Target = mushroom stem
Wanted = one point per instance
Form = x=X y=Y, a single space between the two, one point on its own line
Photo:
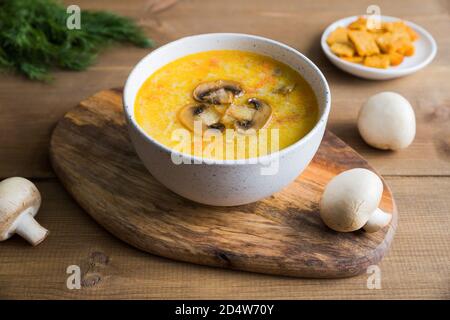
x=377 y=220
x=29 y=229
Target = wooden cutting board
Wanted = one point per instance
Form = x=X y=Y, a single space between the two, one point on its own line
x=283 y=234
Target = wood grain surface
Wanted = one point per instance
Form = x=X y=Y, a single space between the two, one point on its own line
x=417 y=265
x=282 y=234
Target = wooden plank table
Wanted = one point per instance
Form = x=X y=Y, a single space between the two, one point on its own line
x=418 y=264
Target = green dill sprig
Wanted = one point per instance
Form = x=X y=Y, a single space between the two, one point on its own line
x=34 y=37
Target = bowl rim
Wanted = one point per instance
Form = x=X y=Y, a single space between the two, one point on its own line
x=261 y=159
x=375 y=71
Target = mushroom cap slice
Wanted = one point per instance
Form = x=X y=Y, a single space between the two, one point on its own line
x=217 y=126
x=218 y=92
x=261 y=117
x=204 y=113
x=285 y=89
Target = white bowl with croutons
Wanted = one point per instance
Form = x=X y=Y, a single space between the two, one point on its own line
x=425 y=51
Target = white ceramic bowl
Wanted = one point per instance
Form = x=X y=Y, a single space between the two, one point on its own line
x=229 y=182
x=425 y=51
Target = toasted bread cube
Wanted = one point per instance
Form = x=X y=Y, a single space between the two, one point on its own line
x=377 y=61
x=395 y=58
x=395 y=42
x=406 y=48
x=385 y=42
x=338 y=35
x=364 y=43
x=359 y=24
x=376 y=31
x=412 y=34
x=399 y=25
x=401 y=34
x=354 y=59
x=394 y=26
x=343 y=49
x=388 y=26
x=373 y=25
x=402 y=45
x=401 y=29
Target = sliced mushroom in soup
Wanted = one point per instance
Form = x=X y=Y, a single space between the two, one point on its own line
x=204 y=113
x=218 y=92
x=249 y=118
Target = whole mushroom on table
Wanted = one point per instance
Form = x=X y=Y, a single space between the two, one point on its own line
x=19 y=203
x=387 y=121
x=350 y=202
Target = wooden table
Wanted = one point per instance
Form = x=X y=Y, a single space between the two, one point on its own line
x=418 y=264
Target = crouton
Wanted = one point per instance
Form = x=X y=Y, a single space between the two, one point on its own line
x=381 y=61
x=338 y=35
x=343 y=49
x=364 y=43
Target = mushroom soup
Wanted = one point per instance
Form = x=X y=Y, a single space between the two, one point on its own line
x=226 y=98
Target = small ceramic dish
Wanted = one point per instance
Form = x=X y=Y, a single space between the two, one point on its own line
x=425 y=51
x=226 y=182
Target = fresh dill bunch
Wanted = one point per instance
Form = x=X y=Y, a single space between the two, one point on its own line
x=34 y=37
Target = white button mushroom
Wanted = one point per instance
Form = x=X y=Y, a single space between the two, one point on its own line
x=350 y=202
x=386 y=121
x=19 y=202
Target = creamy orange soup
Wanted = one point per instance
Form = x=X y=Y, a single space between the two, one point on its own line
x=228 y=91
